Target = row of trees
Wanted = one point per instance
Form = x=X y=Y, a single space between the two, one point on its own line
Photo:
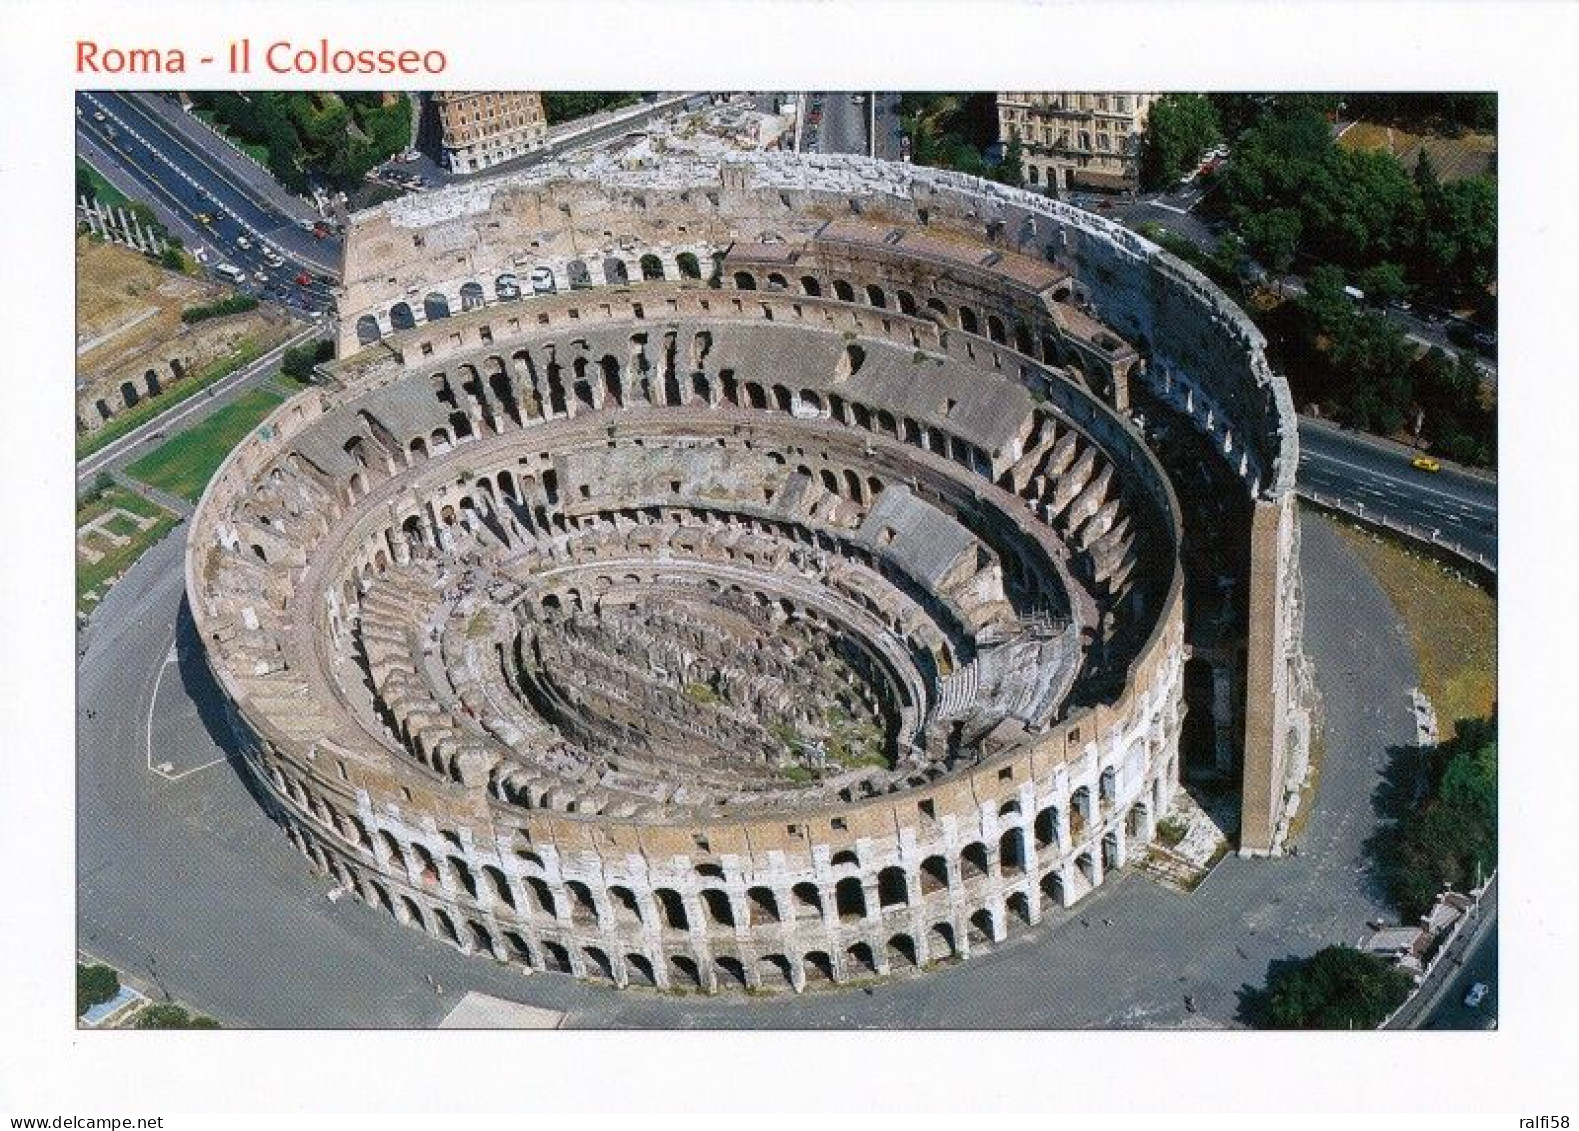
x=1297 y=196
x=1338 y=987
x=1358 y=365
x=958 y=131
x=568 y=105
x=319 y=136
x=1443 y=806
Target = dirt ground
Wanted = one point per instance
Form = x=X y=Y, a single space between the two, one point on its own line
x=1455 y=158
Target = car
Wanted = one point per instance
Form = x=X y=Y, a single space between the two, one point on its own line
x=303 y=279
x=260 y=277
x=857 y=99
x=243 y=242
x=1477 y=994
x=410 y=155
x=99 y=115
x=1425 y=463
x=272 y=258
x=204 y=217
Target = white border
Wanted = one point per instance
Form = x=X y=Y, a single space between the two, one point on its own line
x=1525 y=52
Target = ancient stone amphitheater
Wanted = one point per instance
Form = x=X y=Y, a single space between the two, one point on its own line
x=804 y=583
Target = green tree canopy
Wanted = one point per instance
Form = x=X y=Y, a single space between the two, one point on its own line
x=1179 y=128
x=1338 y=987
x=96 y=984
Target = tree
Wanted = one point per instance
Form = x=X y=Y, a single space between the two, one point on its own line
x=1338 y=987
x=1179 y=128
x=96 y=985
x=1273 y=236
x=1383 y=282
x=85 y=186
x=1011 y=171
x=166 y=1015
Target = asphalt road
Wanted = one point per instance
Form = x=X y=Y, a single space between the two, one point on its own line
x=183 y=183
x=1378 y=476
x=185 y=883
x=844 y=126
x=1479 y=965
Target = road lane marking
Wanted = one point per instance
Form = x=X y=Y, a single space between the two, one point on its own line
x=1403 y=482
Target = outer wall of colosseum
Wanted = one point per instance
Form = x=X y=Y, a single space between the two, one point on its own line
x=857 y=411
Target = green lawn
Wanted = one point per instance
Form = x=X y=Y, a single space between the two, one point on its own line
x=184 y=464
x=93 y=577
x=104 y=192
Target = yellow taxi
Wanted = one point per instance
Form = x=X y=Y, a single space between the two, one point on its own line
x=1425 y=463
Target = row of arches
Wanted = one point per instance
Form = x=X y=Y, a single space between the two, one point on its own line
x=508 y=287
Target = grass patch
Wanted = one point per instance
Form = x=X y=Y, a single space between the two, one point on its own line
x=184 y=465
x=701 y=693
x=1452 y=625
x=93 y=578
x=104 y=192
x=247 y=352
x=1170 y=831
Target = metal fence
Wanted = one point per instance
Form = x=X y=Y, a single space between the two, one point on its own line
x=1426 y=536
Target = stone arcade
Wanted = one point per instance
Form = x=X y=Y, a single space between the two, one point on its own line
x=788 y=597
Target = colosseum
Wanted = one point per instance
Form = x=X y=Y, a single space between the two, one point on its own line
x=756 y=573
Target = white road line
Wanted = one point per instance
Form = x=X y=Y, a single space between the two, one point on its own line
x=153 y=700
x=1405 y=483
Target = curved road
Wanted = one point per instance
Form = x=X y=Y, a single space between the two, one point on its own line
x=185 y=883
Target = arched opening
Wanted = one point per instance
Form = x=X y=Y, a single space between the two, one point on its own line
x=981 y=926
x=651 y=268
x=849 y=899
x=773 y=972
x=810 y=286
x=579 y=275
x=817 y=966
x=367 y=331
x=1046 y=827
x=1018 y=904
x=401 y=318
x=973 y=861
x=1053 y=888
x=1198 y=740
x=995 y=329
x=498 y=886
x=934 y=875
x=615 y=272
x=583 y=908
x=673 y=909
x=892 y=890
x=542 y=896
x=427 y=867
x=625 y=905
x=745 y=281
x=902 y=953
x=129 y=394
x=435 y=306
x=690 y=267
x=808 y=901
x=556 y=958
x=472 y=296
x=907 y=303
x=639 y=971
x=967 y=320
x=875 y=296
x=718 y=909
x=597 y=963
x=151 y=381
x=481 y=939
x=731 y=972
x=463 y=876
x=447 y=929
x=940 y=941
x=1011 y=853
x=684 y=973
x=412 y=913
x=843 y=291
x=507 y=287
x=519 y=948
x=764 y=908
x=1079 y=811
x=861 y=960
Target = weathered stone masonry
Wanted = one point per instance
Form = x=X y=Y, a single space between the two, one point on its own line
x=797 y=606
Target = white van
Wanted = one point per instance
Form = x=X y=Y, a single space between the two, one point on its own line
x=229 y=271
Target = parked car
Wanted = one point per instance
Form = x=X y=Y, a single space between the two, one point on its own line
x=1477 y=994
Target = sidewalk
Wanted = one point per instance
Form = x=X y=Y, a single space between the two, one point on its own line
x=1443 y=969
